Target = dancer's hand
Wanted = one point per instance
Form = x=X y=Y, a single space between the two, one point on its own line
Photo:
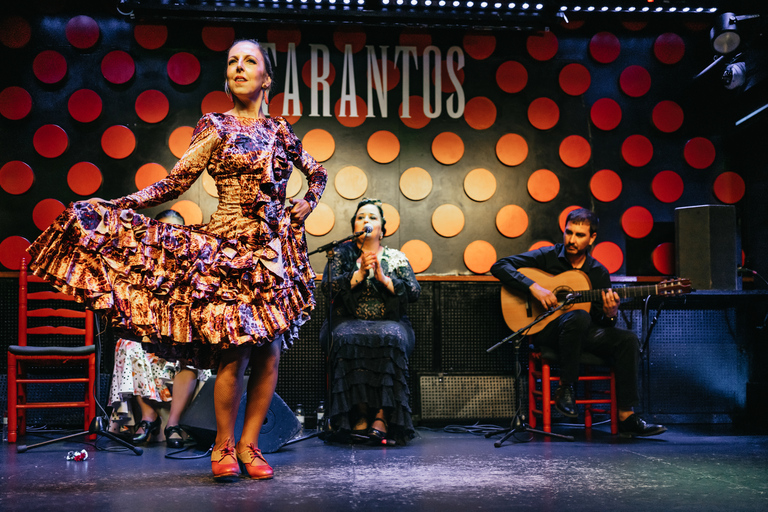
x=299 y=211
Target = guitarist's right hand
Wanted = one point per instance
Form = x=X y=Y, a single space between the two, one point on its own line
x=546 y=297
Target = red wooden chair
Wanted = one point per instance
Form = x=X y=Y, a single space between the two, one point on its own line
x=37 y=353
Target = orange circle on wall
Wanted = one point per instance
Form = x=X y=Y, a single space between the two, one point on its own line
x=419 y=255
x=606 y=114
x=480 y=113
x=542 y=45
x=604 y=47
x=667 y=186
x=84 y=105
x=319 y=143
x=417 y=119
x=393 y=218
x=50 y=141
x=635 y=81
x=276 y=105
x=383 y=146
x=15 y=103
x=669 y=48
x=480 y=184
x=152 y=106
x=15 y=31
x=610 y=255
x=348 y=119
x=637 y=150
x=149 y=174
x=150 y=37
x=637 y=222
x=179 y=140
x=189 y=210
x=216 y=101
x=699 y=152
x=218 y=39
x=605 y=185
x=511 y=76
x=564 y=216
x=540 y=244
x=479 y=46
x=667 y=116
x=415 y=183
x=118 y=141
x=118 y=67
x=663 y=257
x=183 y=68
x=543 y=113
x=12 y=250
x=575 y=151
x=448 y=220
x=84 y=178
x=479 y=256
x=447 y=148
x=351 y=182
x=543 y=185
x=45 y=212
x=729 y=187
x=49 y=66
x=511 y=149
x=16 y=177
x=511 y=221
x=82 y=32
x=320 y=222
x=574 y=79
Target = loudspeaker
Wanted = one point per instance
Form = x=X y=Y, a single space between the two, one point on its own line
x=707 y=248
x=199 y=420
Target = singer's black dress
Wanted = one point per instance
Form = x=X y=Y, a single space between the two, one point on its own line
x=372 y=341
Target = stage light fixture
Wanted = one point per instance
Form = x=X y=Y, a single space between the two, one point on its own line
x=724 y=34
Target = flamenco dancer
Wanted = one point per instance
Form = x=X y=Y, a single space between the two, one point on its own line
x=221 y=295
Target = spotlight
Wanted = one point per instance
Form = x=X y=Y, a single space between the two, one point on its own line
x=724 y=36
x=734 y=75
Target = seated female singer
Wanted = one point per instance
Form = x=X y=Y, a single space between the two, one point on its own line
x=372 y=337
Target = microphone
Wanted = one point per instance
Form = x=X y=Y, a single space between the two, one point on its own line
x=368 y=228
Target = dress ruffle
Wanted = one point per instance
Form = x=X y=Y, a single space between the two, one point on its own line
x=180 y=288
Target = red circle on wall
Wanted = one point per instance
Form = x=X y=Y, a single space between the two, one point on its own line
x=637 y=150
x=348 y=120
x=50 y=141
x=183 y=68
x=306 y=73
x=511 y=149
x=45 y=212
x=152 y=106
x=479 y=46
x=667 y=116
x=150 y=37
x=543 y=113
x=637 y=222
x=149 y=174
x=447 y=148
x=118 y=141
x=49 y=66
x=543 y=185
x=574 y=79
x=383 y=146
x=12 y=250
x=118 y=67
x=667 y=186
x=480 y=113
x=218 y=39
x=16 y=177
x=635 y=81
x=729 y=187
x=564 y=215
x=669 y=48
x=605 y=185
x=610 y=255
x=663 y=257
x=84 y=178
x=349 y=36
x=699 y=153
x=446 y=84
x=604 y=47
x=282 y=38
x=417 y=119
x=216 y=101
x=276 y=105
x=84 y=105
x=511 y=76
x=82 y=32
x=179 y=140
x=605 y=114
x=415 y=38
x=15 y=103
x=15 y=32
x=542 y=45
x=575 y=151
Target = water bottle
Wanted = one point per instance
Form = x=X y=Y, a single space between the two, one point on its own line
x=320 y=414
x=300 y=414
x=5 y=428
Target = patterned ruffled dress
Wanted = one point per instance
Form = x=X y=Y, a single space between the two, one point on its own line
x=191 y=291
x=372 y=341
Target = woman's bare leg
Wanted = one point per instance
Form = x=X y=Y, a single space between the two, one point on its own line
x=227 y=393
x=261 y=388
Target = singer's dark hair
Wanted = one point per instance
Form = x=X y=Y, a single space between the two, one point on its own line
x=377 y=204
x=584 y=216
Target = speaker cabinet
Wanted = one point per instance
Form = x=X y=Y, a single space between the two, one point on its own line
x=707 y=246
x=199 y=420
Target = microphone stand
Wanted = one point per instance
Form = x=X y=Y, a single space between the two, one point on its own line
x=518 y=423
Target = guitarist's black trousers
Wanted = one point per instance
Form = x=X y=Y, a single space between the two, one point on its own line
x=574 y=332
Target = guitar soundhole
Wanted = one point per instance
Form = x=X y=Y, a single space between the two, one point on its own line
x=562 y=292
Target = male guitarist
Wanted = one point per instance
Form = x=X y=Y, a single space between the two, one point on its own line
x=578 y=330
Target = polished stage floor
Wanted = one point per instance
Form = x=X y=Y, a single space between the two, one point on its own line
x=688 y=468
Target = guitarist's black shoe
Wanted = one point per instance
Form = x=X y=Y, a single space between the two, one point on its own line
x=564 y=401
x=635 y=427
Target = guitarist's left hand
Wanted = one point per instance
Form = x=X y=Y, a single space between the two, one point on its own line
x=610 y=303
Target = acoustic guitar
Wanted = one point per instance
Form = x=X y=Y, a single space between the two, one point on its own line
x=520 y=308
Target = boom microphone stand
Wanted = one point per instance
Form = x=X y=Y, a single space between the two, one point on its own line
x=518 y=423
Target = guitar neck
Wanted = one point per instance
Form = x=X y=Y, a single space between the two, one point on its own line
x=624 y=292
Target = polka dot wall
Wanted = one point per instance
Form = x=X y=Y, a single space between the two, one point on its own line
x=582 y=115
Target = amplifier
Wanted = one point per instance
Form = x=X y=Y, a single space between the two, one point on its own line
x=466 y=396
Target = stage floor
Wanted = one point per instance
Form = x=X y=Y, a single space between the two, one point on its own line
x=687 y=468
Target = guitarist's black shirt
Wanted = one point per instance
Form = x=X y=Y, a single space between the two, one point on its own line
x=552 y=259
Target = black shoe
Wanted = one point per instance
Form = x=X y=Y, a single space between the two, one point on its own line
x=377 y=437
x=147 y=429
x=636 y=427
x=564 y=401
x=174 y=442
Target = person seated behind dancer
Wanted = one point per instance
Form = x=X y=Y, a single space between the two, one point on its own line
x=226 y=294
x=578 y=330
x=144 y=377
x=372 y=338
